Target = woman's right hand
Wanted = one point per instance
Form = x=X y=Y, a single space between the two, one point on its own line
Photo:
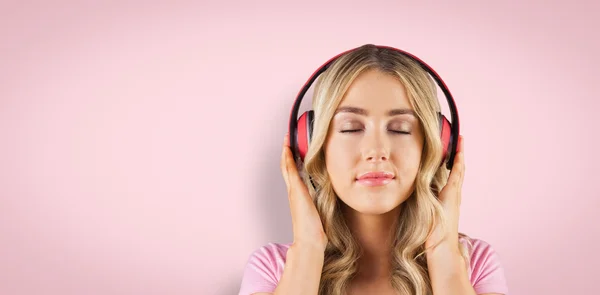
x=306 y=223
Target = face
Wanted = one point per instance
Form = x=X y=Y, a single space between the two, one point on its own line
x=374 y=145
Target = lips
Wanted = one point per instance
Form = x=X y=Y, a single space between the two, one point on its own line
x=377 y=178
x=376 y=175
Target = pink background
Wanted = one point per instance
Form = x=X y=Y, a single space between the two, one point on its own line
x=141 y=141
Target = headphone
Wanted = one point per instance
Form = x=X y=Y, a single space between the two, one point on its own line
x=301 y=129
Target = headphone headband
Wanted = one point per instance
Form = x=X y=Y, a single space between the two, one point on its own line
x=455 y=130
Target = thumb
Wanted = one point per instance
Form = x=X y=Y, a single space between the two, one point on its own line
x=284 y=161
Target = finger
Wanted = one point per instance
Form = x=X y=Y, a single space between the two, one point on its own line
x=286 y=139
x=292 y=171
x=293 y=178
x=283 y=163
x=462 y=177
x=460 y=161
x=456 y=174
x=461 y=169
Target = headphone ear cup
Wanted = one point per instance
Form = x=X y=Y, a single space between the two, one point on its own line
x=305 y=125
x=446 y=132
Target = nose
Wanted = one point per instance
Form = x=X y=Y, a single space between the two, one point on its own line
x=376 y=155
x=376 y=148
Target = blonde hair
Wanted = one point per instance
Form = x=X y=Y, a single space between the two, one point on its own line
x=419 y=212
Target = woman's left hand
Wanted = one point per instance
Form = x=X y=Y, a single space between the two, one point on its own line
x=450 y=198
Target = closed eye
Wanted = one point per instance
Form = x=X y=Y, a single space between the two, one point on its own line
x=358 y=130
x=350 y=131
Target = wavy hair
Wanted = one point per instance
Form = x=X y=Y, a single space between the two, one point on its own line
x=419 y=212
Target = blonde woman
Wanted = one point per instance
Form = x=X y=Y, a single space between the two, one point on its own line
x=373 y=210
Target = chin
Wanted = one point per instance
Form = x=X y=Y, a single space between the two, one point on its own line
x=374 y=203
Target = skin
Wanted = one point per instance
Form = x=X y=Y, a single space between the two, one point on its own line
x=378 y=141
x=370 y=211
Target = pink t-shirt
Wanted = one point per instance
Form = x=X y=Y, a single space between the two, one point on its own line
x=265 y=267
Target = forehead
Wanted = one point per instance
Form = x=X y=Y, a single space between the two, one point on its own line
x=377 y=92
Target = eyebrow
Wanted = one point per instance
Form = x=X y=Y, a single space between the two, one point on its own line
x=359 y=111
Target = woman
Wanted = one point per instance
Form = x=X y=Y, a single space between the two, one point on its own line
x=366 y=203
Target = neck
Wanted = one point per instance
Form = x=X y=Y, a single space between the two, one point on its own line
x=375 y=234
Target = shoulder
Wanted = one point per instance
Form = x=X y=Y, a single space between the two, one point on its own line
x=486 y=270
x=264 y=268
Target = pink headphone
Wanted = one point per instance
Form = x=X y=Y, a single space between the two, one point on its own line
x=300 y=129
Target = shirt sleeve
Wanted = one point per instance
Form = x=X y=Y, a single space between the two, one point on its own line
x=263 y=270
x=487 y=271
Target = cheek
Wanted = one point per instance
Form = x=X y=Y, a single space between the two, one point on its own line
x=340 y=163
x=408 y=161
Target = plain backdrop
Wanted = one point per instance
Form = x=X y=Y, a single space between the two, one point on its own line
x=140 y=141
